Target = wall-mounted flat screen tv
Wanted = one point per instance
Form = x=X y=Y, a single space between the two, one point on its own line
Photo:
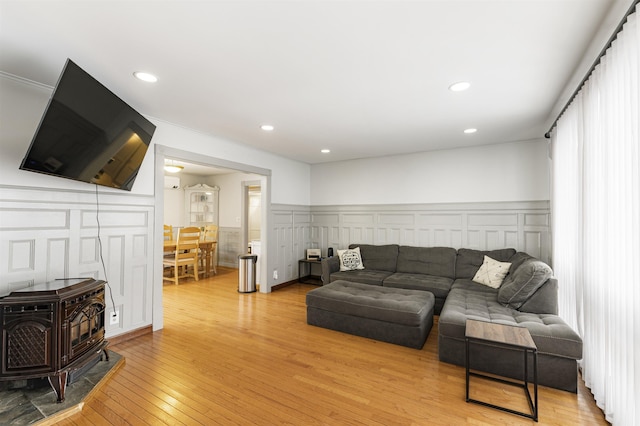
x=87 y=133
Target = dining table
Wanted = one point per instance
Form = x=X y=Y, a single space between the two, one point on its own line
x=207 y=248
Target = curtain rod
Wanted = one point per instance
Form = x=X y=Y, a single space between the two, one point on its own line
x=602 y=53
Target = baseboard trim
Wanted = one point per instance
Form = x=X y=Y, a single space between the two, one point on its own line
x=283 y=285
x=121 y=338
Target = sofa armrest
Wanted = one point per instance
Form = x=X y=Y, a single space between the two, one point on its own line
x=329 y=265
x=544 y=300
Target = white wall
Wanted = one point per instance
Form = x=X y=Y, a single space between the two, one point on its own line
x=510 y=172
x=290 y=180
x=231 y=196
x=23 y=104
x=173 y=210
x=21 y=107
x=174 y=203
x=517 y=171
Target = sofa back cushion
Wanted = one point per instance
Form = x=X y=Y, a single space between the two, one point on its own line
x=438 y=261
x=378 y=258
x=469 y=261
x=523 y=282
x=518 y=259
x=544 y=300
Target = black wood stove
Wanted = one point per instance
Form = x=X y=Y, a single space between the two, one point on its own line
x=54 y=330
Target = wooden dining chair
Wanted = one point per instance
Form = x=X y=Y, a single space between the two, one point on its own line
x=168 y=236
x=186 y=255
x=168 y=232
x=210 y=233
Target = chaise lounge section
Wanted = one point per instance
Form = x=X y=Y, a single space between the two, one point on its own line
x=559 y=347
x=527 y=298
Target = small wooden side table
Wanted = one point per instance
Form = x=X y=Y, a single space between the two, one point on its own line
x=308 y=278
x=492 y=334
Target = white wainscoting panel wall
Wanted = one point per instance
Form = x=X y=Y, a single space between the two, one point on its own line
x=484 y=226
x=46 y=234
x=290 y=236
x=229 y=246
x=524 y=226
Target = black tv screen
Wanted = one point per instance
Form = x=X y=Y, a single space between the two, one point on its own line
x=87 y=133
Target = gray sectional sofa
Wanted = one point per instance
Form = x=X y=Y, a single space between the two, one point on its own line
x=526 y=298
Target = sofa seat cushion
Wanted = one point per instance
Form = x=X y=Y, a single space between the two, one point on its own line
x=550 y=333
x=543 y=301
x=365 y=276
x=439 y=286
x=468 y=284
x=394 y=305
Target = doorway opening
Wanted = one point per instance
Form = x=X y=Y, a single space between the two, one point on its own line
x=234 y=221
x=252 y=223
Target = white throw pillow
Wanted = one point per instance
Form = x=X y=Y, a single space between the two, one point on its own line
x=492 y=272
x=350 y=259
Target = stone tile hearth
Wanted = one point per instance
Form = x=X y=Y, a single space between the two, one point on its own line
x=23 y=403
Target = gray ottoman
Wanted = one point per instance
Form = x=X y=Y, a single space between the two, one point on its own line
x=393 y=315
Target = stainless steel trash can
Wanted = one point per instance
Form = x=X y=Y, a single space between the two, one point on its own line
x=247 y=273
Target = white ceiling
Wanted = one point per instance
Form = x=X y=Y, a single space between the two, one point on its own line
x=364 y=79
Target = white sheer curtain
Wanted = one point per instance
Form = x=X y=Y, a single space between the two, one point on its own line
x=596 y=225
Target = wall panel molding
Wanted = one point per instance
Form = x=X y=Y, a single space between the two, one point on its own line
x=290 y=236
x=524 y=226
x=483 y=226
x=57 y=258
x=42 y=218
x=21 y=255
x=229 y=242
x=48 y=234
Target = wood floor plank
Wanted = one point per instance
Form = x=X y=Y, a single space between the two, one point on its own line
x=232 y=358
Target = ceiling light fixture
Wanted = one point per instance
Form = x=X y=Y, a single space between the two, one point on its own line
x=460 y=86
x=325 y=151
x=267 y=127
x=145 y=76
x=469 y=131
x=173 y=168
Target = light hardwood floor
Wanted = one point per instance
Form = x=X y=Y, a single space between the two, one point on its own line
x=230 y=358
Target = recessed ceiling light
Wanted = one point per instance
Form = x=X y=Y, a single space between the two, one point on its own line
x=460 y=86
x=469 y=131
x=145 y=76
x=267 y=127
x=325 y=151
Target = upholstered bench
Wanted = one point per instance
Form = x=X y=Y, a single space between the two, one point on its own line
x=394 y=315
